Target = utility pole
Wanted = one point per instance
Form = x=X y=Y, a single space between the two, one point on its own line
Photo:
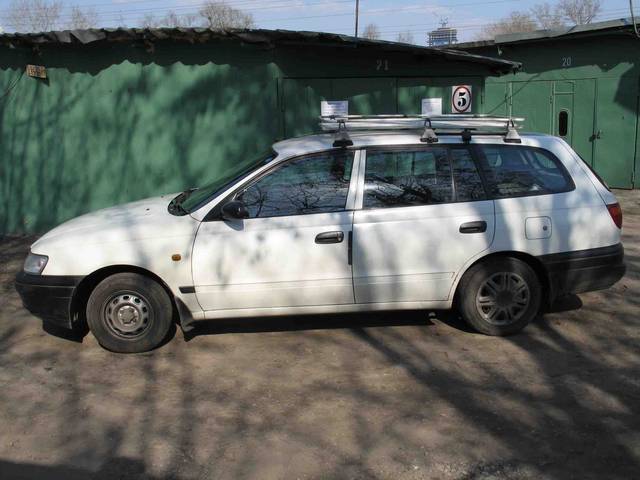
x=357 y=15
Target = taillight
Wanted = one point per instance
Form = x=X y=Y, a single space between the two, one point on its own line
x=616 y=213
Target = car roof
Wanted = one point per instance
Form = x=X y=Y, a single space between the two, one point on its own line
x=369 y=138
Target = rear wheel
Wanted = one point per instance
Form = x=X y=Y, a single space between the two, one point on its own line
x=500 y=296
x=129 y=313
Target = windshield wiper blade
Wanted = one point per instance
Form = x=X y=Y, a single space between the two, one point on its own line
x=175 y=206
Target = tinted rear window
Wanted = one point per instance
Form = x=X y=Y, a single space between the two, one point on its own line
x=517 y=171
x=407 y=178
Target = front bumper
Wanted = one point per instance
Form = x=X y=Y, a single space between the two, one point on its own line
x=584 y=270
x=48 y=296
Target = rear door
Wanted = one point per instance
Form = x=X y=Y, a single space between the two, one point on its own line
x=424 y=214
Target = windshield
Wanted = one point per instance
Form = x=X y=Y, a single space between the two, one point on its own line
x=192 y=199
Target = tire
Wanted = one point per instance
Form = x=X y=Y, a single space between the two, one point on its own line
x=129 y=313
x=499 y=296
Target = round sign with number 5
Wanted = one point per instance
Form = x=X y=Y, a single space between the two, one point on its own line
x=461 y=99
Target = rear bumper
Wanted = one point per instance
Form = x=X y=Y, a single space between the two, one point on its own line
x=584 y=270
x=48 y=296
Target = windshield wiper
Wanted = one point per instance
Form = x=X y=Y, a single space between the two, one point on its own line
x=175 y=206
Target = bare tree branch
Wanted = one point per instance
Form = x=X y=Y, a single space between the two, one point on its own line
x=405 y=37
x=34 y=15
x=547 y=16
x=149 y=21
x=579 y=12
x=120 y=21
x=516 y=22
x=220 y=16
x=174 y=20
x=371 y=31
x=81 y=19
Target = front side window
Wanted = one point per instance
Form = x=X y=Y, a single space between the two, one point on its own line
x=316 y=183
x=192 y=199
x=516 y=171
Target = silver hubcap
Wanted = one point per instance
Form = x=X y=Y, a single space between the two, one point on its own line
x=127 y=314
x=503 y=298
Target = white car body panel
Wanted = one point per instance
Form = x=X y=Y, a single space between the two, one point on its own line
x=141 y=234
x=579 y=218
x=399 y=255
x=272 y=262
x=324 y=309
x=410 y=257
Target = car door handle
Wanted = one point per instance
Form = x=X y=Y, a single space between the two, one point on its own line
x=330 y=237
x=474 y=227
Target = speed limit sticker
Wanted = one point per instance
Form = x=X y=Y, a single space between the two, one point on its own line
x=461 y=99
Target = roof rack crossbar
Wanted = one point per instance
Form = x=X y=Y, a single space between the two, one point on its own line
x=431 y=125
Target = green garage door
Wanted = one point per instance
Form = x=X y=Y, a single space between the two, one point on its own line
x=565 y=108
x=302 y=97
x=531 y=100
x=411 y=91
x=616 y=130
x=573 y=115
x=496 y=99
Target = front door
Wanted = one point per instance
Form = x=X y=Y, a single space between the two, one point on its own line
x=292 y=250
x=424 y=215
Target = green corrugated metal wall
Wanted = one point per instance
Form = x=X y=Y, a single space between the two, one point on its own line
x=114 y=123
x=596 y=79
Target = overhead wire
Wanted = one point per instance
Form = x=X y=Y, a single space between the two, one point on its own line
x=388 y=30
x=262 y=5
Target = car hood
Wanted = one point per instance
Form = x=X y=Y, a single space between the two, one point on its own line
x=148 y=218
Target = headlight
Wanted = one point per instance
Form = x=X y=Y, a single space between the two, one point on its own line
x=34 y=264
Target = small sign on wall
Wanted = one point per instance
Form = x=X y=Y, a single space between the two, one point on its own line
x=36 y=71
x=461 y=99
x=338 y=108
x=432 y=107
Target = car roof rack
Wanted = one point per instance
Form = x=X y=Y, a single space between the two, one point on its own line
x=465 y=125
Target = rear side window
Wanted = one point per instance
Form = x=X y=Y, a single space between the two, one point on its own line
x=518 y=171
x=407 y=178
x=428 y=176
x=595 y=174
x=466 y=177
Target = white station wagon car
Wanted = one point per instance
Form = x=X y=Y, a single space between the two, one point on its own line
x=382 y=216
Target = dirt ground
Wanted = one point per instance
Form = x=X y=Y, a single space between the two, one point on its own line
x=393 y=396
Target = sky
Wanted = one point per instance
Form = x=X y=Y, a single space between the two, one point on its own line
x=391 y=17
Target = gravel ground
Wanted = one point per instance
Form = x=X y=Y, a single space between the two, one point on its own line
x=395 y=395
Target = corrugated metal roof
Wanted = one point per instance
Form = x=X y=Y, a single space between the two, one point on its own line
x=265 y=38
x=622 y=25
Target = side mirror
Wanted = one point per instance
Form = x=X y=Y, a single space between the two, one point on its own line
x=234 y=210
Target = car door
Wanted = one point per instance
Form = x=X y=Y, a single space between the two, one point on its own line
x=292 y=251
x=424 y=213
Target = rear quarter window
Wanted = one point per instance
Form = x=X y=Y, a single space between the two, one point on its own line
x=520 y=171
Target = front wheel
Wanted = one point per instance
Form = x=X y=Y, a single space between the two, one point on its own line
x=129 y=313
x=500 y=296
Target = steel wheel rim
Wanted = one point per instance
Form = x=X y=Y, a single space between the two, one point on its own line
x=503 y=298
x=127 y=315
